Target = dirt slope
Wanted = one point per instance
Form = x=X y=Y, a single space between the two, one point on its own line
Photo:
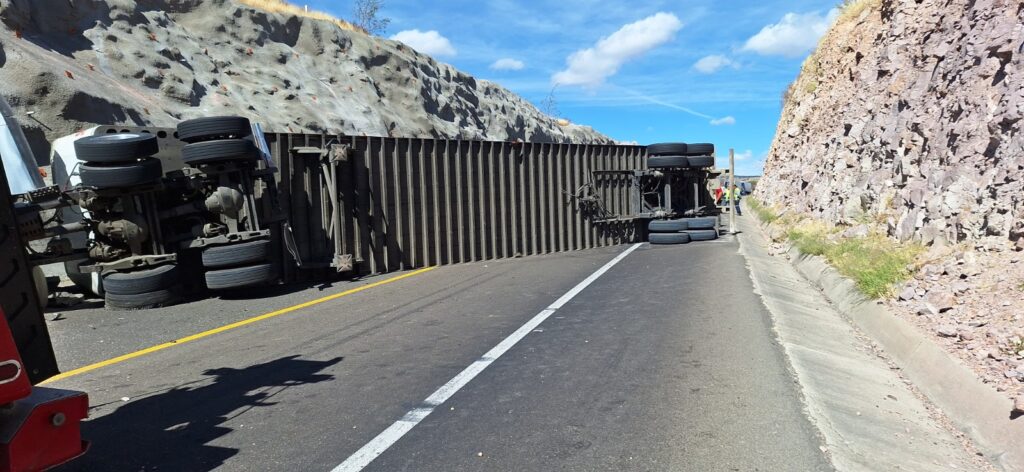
x=75 y=63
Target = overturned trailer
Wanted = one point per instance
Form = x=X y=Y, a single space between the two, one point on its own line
x=148 y=215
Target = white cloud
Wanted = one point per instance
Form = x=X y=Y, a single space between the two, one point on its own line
x=590 y=67
x=745 y=155
x=794 y=36
x=724 y=121
x=713 y=63
x=508 y=64
x=427 y=42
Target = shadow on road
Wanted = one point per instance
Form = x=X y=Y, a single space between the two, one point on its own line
x=174 y=429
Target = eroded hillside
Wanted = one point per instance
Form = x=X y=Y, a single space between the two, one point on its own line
x=69 y=64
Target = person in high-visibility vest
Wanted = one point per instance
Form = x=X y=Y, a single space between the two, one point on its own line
x=734 y=194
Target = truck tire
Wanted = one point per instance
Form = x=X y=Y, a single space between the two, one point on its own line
x=240 y=277
x=700 y=149
x=658 y=162
x=668 y=238
x=221 y=150
x=667 y=226
x=217 y=127
x=141 y=281
x=42 y=289
x=121 y=175
x=701 y=161
x=707 y=222
x=702 y=234
x=232 y=255
x=140 y=301
x=666 y=149
x=119 y=147
x=83 y=280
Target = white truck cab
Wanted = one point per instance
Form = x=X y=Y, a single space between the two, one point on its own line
x=19 y=162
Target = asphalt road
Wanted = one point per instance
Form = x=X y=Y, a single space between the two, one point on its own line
x=666 y=362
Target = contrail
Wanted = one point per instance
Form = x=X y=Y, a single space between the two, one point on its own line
x=664 y=103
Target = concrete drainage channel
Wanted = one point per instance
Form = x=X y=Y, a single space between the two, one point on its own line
x=149 y=217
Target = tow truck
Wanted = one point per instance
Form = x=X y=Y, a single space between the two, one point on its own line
x=39 y=426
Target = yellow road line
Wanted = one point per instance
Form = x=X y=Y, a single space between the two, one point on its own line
x=228 y=327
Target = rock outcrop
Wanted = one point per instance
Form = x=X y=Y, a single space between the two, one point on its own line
x=909 y=114
x=70 y=64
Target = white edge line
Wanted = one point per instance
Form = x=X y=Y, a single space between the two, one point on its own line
x=387 y=438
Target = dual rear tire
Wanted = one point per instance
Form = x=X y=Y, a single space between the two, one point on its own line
x=118 y=160
x=145 y=288
x=682 y=231
x=680 y=155
x=237 y=265
x=217 y=140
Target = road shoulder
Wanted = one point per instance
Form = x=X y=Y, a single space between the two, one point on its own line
x=870 y=417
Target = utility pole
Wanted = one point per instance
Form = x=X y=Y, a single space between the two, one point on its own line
x=732 y=192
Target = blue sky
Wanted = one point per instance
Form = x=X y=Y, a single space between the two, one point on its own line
x=644 y=71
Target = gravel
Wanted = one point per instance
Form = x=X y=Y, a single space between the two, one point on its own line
x=984 y=327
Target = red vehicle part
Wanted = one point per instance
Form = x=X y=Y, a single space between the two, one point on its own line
x=39 y=427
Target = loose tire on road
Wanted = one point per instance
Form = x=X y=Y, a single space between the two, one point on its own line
x=121 y=175
x=232 y=255
x=700 y=149
x=701 y=161
x=222 y=150
x=240 y=277
x=113 y=148
x=658 y=162
x=707 y=222
x=141 y=281
x=666 y=149
x=141 y=301
x=667 y=226
x=702 y=234
x=668 y=238
x=217 y=127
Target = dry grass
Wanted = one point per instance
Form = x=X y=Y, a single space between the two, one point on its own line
x=851 y=9
x=811 y=73
x=285 y=8
x=876 y=263
x=764 y=213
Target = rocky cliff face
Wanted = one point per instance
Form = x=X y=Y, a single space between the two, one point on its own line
x=76 y=63
x=909 y=114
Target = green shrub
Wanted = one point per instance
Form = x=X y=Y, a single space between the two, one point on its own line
x=765 y=214
x=809 y=239
x=875 y=263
